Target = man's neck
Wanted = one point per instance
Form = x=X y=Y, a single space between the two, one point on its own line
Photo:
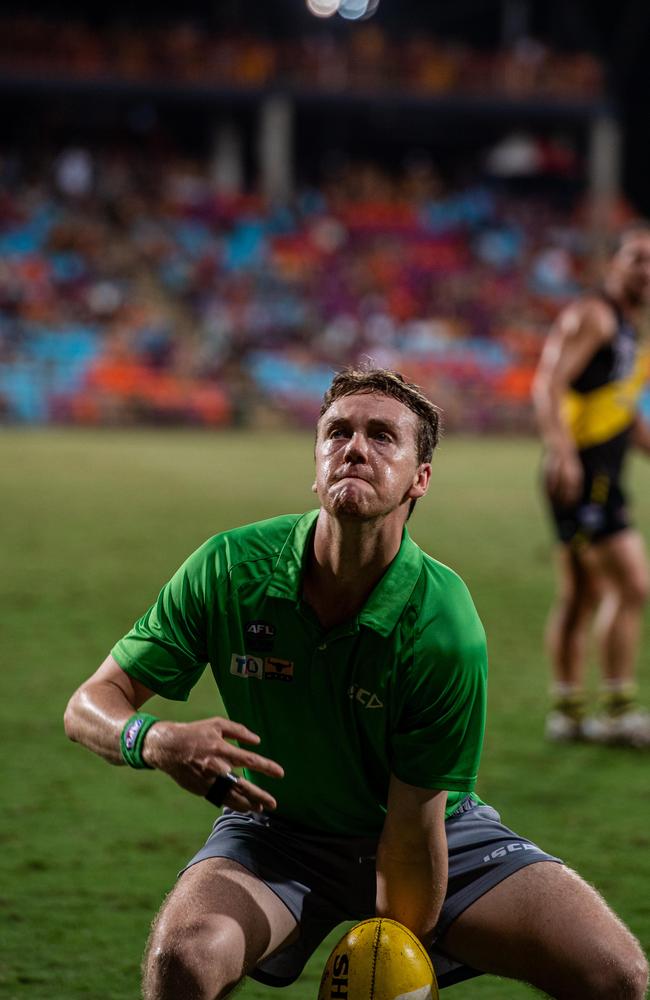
x=348 y=559
x=638 y=313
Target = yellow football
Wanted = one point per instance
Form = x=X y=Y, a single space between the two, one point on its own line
x=378 y=959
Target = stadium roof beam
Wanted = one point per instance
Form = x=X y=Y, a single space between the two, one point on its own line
x=605 y=176
x=275 y=147
x=227 y=161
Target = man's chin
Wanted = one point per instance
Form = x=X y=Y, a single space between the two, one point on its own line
x=350 y=511
x=349 y=501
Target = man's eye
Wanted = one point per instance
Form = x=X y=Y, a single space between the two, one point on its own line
x=382 y=436
x=336 y=432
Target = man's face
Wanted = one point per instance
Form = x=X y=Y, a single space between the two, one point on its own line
x=366 y=457
x=632 y=263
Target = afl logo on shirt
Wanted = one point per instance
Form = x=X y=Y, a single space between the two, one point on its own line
x=259 y=635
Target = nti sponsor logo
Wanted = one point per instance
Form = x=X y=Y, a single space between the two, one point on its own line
x=268 y=669
x=278 y=670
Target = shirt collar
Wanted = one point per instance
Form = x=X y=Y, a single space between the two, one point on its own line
x=387 y=601
x=287 y=572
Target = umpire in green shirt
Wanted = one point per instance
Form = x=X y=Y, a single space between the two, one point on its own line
x=357 y=664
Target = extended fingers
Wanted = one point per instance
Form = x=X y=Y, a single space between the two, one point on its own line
x=247 y=797
x=236 y=731
x=254 y=762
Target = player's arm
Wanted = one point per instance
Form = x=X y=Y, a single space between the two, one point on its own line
x=194 y=754
x=578 y=333
x=641 y=435
x=412 y=858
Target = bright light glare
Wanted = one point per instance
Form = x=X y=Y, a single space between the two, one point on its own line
x=355 y=10
x=352 y=10
x=323 y=8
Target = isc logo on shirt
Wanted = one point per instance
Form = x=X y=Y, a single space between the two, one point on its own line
x=270 y=668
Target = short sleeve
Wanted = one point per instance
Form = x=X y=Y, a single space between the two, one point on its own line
x=438 y=734
x=167 y=647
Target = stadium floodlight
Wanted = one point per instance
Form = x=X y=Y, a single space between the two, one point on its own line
x=356 y=10
x=323 y=8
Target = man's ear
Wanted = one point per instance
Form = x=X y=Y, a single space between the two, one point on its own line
x=421 y=482
x=314 y=488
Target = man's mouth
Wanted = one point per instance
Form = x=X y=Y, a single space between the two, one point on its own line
x=351 y=475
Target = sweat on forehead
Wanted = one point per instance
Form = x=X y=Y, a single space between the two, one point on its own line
x=370 y=401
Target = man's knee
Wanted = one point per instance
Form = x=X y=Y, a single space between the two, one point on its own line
x=575 y=607
x=203 y=959
x=619 y=975
x=635 y=590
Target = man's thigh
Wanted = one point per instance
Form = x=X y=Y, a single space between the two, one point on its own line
x=544 y=925
x=622 y=558
x=219 y=900
x=322 y=880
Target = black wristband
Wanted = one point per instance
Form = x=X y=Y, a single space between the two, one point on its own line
x=222 y=785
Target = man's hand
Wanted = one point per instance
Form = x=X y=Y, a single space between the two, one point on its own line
x=564 y=476
x=194 y=754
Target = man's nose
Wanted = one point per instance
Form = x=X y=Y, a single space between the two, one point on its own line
x=356 y=449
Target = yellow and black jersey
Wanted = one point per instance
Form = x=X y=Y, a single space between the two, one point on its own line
x=602 y=402
x=600 y=408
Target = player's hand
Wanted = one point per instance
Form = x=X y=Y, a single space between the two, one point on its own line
x=564 y=477
x=194 y=754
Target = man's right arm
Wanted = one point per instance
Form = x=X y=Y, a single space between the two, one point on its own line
x=194 y=754
x=578 y=333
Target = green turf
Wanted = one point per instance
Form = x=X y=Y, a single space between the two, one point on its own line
x=92 y=523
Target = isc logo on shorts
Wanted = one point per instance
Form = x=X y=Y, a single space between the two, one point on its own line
x=502 y=852
x=268 y=669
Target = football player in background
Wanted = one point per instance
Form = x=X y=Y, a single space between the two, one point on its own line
x=357 y=664
x=586 y=392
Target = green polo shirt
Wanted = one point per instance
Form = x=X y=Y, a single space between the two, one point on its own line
x=399 y=688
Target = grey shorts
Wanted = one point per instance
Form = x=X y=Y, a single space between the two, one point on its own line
x=326 y=880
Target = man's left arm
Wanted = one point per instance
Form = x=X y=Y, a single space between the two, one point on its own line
x=641 y=435
x=412 y=858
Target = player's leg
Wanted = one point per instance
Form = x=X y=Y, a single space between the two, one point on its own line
x=218 y=922
x=580 y=590
x=623 y=562
x=545 y=926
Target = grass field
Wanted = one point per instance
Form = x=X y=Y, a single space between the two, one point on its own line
x=92 y=524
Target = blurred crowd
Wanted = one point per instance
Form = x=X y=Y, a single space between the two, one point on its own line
x=366 y=59
x=131 y=291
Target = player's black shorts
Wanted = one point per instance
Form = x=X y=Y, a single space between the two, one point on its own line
x=600 y=512
x=602 y=509
x=325 y=880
